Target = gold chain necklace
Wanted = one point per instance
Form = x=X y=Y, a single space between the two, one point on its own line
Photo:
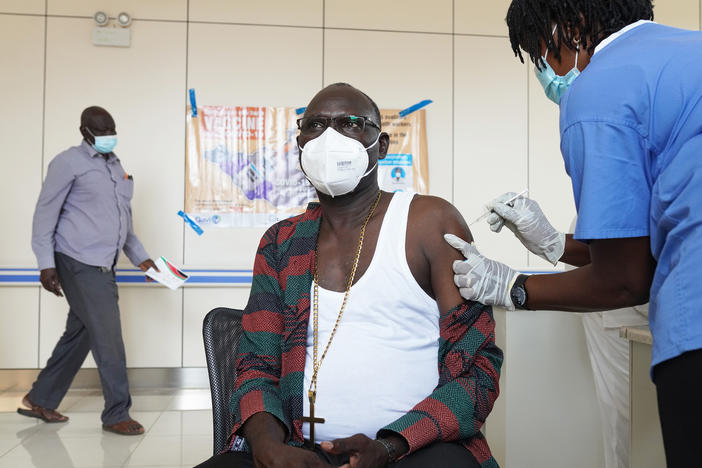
x=317 y=364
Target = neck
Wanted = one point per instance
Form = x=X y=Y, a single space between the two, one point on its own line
x=348 y=210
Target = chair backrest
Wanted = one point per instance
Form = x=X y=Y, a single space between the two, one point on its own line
x=221 y=330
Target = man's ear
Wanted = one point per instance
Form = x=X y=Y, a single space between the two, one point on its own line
x=383 y=145
x=299 y=147
x=575 y=32
x=85 y=134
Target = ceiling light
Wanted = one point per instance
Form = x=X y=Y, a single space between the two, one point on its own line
x=124 y=20
x=101 y=18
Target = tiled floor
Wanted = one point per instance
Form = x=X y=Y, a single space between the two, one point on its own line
x=178 y=425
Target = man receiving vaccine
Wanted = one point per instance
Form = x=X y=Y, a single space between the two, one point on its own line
x=357 y=349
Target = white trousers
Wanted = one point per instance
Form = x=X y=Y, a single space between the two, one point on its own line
x=609 y=357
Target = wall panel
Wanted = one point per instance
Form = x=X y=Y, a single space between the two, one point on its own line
x=407 y=69
x=679 y=13
x=143 y=88
x=174 y=10
x=152 y=326
x=280 y=12
x=22 y=62
x=19 y=321
x=408 y=15
x=480 y=17
x=490 y=137
x=32 y=7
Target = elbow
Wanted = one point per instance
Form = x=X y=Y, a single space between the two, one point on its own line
x=635 y=298
x=633 y=293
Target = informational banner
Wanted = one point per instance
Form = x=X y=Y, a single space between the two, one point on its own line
x=243 y=170
x=406 y=165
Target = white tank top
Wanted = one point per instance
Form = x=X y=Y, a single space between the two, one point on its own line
x=384 y=357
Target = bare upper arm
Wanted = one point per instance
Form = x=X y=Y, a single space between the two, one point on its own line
x=431 y=218
x=627 y=262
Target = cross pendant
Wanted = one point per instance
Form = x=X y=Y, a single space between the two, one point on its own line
x=311 y=419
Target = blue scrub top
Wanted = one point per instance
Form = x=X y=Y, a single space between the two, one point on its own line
x=631 y=138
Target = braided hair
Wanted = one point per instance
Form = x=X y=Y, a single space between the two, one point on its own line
x=530 y=23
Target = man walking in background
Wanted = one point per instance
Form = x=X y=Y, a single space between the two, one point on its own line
x=82 y=220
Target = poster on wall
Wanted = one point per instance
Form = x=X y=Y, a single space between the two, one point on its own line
x=406 y=165
x=242 y=164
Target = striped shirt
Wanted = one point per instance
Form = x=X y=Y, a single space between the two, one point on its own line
x=272 y=349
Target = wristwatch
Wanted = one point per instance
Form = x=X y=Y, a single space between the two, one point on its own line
x=518 y=293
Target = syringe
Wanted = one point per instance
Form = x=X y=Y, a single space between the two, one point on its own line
x=511 y=200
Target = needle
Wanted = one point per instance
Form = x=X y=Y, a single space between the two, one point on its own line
x=511 y=200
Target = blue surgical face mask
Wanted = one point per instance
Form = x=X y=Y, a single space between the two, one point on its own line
x=103 y=144
x=554 y=85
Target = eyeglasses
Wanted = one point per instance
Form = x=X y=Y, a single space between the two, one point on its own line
x=349 y=125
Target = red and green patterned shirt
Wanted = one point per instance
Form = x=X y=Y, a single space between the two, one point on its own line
x=272 y=349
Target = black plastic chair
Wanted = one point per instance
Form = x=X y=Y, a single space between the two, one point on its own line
x=221 y=330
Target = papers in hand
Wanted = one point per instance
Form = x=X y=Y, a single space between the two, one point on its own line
x=169 y=275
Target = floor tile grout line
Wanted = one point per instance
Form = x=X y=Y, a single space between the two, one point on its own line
x=17 y=444
x=131 y=453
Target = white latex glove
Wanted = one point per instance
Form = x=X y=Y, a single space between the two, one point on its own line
x=526 y=220
x=480 y=279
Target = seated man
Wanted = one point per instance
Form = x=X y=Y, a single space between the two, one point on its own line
x=355 y=335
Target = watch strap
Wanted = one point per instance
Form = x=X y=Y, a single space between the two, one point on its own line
x=519 y=284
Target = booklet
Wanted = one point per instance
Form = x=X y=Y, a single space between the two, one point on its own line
x=169 y=274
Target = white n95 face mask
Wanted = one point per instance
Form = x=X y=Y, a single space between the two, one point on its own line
x=334 y=163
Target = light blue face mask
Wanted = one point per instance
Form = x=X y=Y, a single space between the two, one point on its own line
x=103 y=144
x=554 y=85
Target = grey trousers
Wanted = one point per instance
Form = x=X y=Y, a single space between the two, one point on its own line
x=93 y=324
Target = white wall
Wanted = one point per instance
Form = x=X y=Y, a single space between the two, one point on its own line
x=490 y=129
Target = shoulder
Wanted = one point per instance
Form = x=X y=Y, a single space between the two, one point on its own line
x=68 y=155
x=304 y=225
x=620 y=84
x=67 y=160
x=437 y=213
x=430 y=205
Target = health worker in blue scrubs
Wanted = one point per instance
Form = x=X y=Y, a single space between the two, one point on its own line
x=630 y=97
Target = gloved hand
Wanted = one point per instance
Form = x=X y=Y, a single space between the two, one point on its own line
x=526 y=220
x=480 y=279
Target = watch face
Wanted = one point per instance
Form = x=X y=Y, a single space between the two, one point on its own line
x=518 y=296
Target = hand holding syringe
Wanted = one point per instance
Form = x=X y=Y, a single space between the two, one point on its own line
x=508 y=202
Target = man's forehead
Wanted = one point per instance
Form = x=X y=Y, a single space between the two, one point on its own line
x=339 y=100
